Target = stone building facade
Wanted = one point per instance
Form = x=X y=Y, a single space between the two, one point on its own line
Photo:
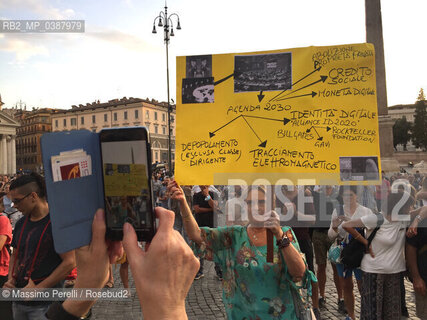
x=34 y=124
x=123 y=112
x=8 y=128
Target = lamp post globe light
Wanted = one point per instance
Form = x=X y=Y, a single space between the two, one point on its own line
x=165 y=21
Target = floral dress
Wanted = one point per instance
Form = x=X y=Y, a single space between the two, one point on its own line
x=252 y=287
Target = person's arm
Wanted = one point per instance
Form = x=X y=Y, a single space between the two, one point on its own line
x=335 y=229
x=411 y=260
x=421 y=195
x=190 y=225
x=350 y=226
x=11 y=281
x=163 y=274
x=60 y=273
x=212 y=203
x=93 y=263
x=418 y=215
x=199 y=209
x=3 y=239
x=293 y=259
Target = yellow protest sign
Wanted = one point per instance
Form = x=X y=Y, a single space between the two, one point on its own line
x=124 y=179
x=286 y=114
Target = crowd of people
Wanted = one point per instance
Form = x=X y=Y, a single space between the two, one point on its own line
x=231 y=225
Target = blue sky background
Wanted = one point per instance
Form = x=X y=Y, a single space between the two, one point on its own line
x=119 y=56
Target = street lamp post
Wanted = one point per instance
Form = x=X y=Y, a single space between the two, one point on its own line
x=168 y=32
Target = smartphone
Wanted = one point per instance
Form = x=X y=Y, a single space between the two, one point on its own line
x=126 y=165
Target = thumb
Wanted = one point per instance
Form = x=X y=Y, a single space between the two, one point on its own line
x=130 y=243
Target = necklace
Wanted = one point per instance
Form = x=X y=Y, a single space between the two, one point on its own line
x=253 y=233
x=264 y=255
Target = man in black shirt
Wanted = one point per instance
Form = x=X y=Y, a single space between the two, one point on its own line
x=34 y=263
x=416 y=256
x=204 y=206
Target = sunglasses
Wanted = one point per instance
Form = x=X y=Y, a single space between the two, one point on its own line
x=17 y=201
x=259 y=202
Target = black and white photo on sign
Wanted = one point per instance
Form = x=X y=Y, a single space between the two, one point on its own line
x=263 y=72
x=359 y=168
x=199 y=66
x=198 y=90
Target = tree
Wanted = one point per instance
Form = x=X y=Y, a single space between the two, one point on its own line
x=401 y=132
x=421 y=96
x=419 y=131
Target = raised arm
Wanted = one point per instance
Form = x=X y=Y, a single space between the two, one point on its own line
x=335 y=229
x=190 y=224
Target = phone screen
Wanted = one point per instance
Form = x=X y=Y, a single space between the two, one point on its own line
x=127 y=182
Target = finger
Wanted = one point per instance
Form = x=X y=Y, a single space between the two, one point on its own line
x=98 y=231
x=166 y=219
x=130 y=243
x=115 y=251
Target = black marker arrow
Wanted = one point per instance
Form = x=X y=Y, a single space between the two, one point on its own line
x=285 y=120
x=314 y=128
x=322 y=79
x=260 y=96
x=293 y=84
x=327 y=128
x=263 y=143
x=211 y=134
x=222 y=80
x=312 y=94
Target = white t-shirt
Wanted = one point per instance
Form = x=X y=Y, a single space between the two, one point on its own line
x=388 y=246
x=358 y=213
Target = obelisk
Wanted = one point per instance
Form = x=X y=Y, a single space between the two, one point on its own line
x=374 y=35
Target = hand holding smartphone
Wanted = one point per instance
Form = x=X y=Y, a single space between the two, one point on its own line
x=126 y=165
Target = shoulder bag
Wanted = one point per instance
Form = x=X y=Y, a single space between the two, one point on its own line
x=352 y=254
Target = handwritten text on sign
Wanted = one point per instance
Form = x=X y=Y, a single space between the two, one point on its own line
x=294 y=111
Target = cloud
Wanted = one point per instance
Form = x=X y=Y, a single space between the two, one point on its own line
x=128 y=3
x=41 y=8
x=122 y=39
x=23 y=49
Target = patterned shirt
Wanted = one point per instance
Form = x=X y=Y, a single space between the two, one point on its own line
x=252 y=288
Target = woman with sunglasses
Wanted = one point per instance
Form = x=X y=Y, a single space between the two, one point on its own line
x=252 y=287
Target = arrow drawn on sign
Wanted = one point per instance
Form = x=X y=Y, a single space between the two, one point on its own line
x=211 y=134
x=223 y=79
x=314 y=128
x=312 y=94
x=322 y=79
x=263 y=143
x=293 y=84
x=260 y=96
x=284 y=120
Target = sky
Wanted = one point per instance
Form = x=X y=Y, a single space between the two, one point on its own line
x=118 y=56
